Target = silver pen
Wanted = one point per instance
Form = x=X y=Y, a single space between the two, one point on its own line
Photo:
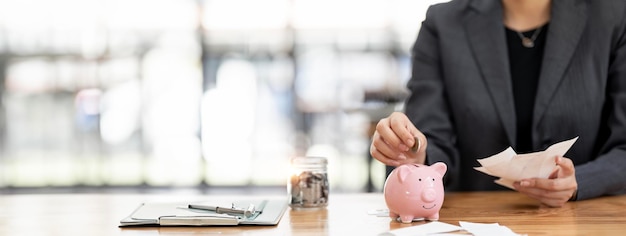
x=248 y=212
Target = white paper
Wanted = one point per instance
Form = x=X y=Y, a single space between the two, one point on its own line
x=430 y=228
x=379 y=212
x=510 y=166
x=482 y=229
x=440 y=229
x=157 y=210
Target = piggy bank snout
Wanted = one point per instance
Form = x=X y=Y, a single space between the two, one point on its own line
x=429 y=195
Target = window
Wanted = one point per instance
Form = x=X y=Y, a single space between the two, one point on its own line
x=192 y=93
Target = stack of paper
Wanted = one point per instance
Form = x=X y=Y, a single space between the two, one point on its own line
x=511 y=167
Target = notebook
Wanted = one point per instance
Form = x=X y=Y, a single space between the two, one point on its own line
x=266 y=212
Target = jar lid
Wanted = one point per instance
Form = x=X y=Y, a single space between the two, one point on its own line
x=309 y=161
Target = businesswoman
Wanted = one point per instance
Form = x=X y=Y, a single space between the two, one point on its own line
x=491 y=74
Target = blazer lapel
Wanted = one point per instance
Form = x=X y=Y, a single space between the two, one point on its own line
x=566 y=26
x=485 y=31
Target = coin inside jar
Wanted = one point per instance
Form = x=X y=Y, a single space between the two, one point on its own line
x=308 y=185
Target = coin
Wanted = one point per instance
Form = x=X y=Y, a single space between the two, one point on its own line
x=416 y=146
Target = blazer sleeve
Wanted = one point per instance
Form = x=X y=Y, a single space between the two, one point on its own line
x=426 y=106
x=606 y=175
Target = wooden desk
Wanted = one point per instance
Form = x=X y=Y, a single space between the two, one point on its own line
x=99 y=214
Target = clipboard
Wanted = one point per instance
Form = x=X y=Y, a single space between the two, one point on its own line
x=268 y=212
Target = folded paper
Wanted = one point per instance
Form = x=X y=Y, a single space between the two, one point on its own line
x=510 y=166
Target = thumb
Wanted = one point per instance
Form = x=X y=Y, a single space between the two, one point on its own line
x=555 y=172
x=566 y=165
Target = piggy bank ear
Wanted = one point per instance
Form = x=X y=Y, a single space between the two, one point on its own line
x=440 y=168
x=403 y=172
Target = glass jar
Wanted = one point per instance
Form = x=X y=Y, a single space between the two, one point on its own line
x=308 y=184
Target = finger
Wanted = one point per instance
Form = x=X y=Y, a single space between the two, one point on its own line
x=555 y=172
x=383 y=149
x=546 y=184
x=567 y=184
x=566 y=166
x=563 y=180
x=382 y=158
x=403 y=128
x=542 y=194
x=389 y=135
x=554 y=203
x=550 y=198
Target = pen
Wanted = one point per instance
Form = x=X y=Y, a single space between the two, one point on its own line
x=225 y=210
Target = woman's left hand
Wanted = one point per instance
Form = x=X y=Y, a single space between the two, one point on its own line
x=554 y=191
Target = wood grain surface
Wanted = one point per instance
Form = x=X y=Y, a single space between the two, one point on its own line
x=346 y=214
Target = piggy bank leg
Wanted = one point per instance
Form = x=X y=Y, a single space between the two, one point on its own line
x=434 y=217
x=406 y=219
x=393 y=216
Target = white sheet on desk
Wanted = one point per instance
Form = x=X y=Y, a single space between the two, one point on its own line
x=430 y=228
x=441 y=229
x=479 y=229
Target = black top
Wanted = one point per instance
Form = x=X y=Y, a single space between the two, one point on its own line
x=525 y=64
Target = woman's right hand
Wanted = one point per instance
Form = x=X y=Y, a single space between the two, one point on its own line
x=393 y=139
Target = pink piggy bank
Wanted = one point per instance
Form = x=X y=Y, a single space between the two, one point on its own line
x=415 y=191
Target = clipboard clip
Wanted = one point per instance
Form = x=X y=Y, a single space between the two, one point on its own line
x=245 y=212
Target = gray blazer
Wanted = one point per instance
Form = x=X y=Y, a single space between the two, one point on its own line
x=461 y=95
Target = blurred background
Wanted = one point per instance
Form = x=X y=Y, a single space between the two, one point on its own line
x=143 y=95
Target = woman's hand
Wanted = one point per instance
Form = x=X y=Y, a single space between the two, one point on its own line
x=554 y=191
x=393 y=141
